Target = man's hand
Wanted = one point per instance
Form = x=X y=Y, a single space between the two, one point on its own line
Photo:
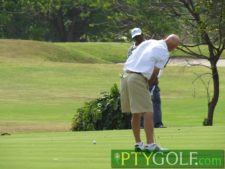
x=154 y=79
x=156 y=82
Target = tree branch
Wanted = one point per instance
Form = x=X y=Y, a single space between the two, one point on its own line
x=190 y=52
x=203 y=82
x=199 y=64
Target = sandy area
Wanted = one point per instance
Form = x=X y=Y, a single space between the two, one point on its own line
x=189 y=62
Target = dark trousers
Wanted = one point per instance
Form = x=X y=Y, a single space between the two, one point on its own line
x=157 y=112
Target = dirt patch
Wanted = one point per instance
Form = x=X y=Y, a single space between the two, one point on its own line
x=28 y=127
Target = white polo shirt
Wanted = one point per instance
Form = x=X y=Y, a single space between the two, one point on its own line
x=148 y=55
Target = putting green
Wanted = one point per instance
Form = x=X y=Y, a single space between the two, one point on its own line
x=61 y=150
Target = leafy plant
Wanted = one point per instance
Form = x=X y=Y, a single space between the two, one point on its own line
x=103 y=113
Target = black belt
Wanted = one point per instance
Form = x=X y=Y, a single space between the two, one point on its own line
x=128 y=71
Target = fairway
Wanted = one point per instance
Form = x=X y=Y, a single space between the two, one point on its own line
x=44 y=96
x=75 y=149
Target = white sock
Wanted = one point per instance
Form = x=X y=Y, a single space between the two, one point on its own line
x=149 y=145
x=138 y=143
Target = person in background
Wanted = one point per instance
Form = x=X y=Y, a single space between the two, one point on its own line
x=138 y=37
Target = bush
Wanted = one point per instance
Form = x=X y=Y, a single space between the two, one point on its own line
x=103 y=113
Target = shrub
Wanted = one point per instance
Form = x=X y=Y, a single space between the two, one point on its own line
x=103 y=113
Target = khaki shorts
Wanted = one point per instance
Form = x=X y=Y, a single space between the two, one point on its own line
x=135 y=95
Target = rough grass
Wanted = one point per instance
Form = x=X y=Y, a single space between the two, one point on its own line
x=75 y=149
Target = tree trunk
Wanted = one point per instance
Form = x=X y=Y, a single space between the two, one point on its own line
x=60 y=26
x=215 y=98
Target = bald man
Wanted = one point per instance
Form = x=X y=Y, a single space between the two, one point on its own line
x=141 y=70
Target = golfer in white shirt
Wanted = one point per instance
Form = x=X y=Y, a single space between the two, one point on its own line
x=140 y=70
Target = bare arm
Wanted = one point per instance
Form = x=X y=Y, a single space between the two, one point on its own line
x=153 y=79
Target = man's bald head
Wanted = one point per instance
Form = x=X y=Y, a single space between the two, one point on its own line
x=172 y=41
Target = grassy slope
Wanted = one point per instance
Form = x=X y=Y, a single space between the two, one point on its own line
x=104 y=52
x=75 y=150
x=62 y=52
x=32 y=51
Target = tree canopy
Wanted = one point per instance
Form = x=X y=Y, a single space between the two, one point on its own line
x=81 y=20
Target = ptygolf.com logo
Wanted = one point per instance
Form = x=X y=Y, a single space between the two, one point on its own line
x=168 y=159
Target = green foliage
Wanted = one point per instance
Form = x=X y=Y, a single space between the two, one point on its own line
x=80 y=20
x=88 y=20
x=22 y=20
x=103 y=113
x=56 y=20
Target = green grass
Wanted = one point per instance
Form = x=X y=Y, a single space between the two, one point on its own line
x=51 y=92
x=103 y=52
x=75 y=149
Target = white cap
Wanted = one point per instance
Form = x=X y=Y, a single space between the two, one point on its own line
x=135 y=32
